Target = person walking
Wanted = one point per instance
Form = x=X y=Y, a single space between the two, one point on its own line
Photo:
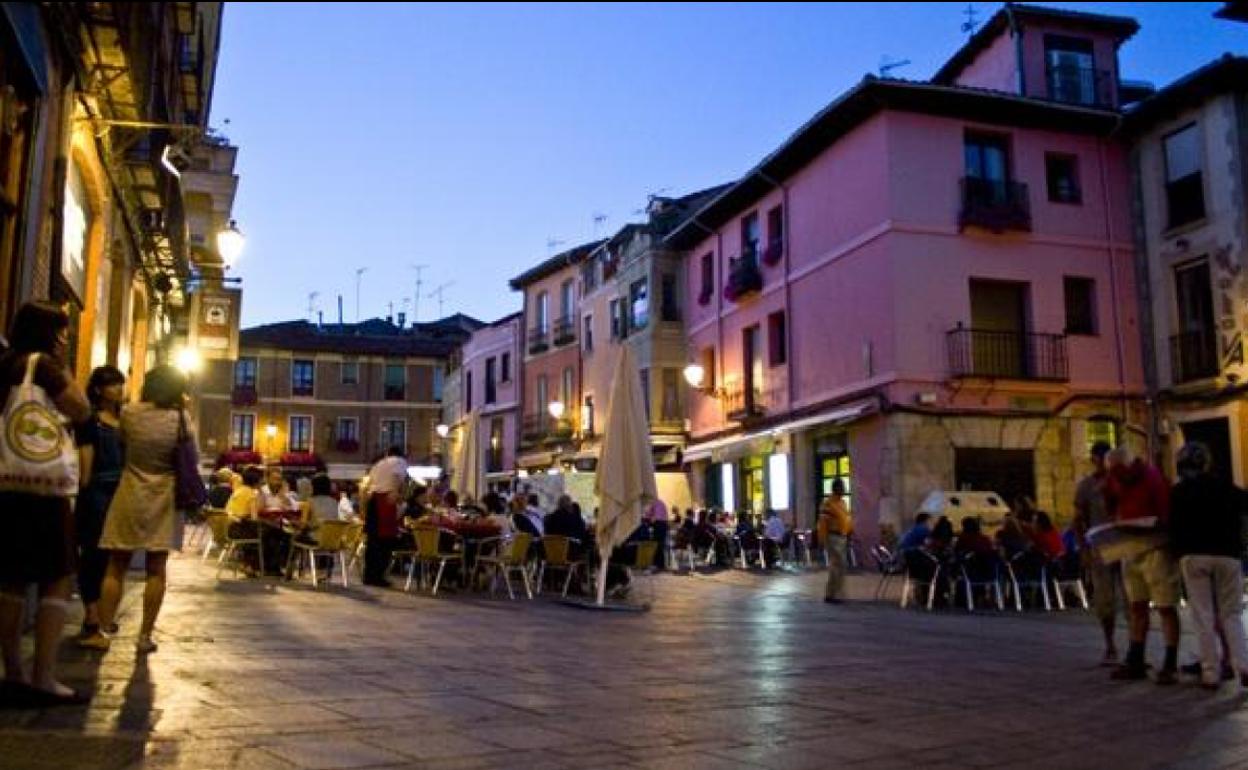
x=1205 y=533
x=100 y=462
x=386 y=480
x=1136 y=490
x=38 y=542
x=143 y=515
x=835 y=526
x=1105 y=577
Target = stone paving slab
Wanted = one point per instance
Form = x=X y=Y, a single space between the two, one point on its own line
x=730 y=670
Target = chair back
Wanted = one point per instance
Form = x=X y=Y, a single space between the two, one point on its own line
x=429 y=541
x=920 y=565
x=981 y=567
x=518 y=551
x=219 y=524
x=555 y=550
x=643 y=558
x=1028 y=565
x=332 y=535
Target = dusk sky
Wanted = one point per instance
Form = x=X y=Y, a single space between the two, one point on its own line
x=467 y=137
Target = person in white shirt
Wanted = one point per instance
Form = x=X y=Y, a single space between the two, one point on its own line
x=777 y=535
x=346 y=511
x=535 y=515
x=275 y=495
x=386 y=480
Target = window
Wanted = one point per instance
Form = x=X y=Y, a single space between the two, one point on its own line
x=350 y=372
x=751 y=235
x=639 y=305
x=616 y=331
x=832 y=462
x=394 y=434
x=777 y=353
x=494 y=453
x=645 y=391
x=589 y=276
x=245 y=373
x=437 y=383
x=1100 y=429
x=468 y=391
x=506 y=374
x=671 y=305
x=299 y=439
x=588 y=336
x=1062 y=177
x=396 y=382
x=1080 y=305
x=348 y=430
x=708 y=369
x=541 y=309
x=987 y=159
x=669 y=408
x=567 y=393
x=587 y=416
x=302 y=374
x=708 y=278
x=1070 y=69
x=566 y=298
x=775 y=235
x=752 y=364
x=1185 y=192
x=491 y=393
x=242 y=431
x=543 y=398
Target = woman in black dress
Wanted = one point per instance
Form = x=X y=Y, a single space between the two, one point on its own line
x=100 y=464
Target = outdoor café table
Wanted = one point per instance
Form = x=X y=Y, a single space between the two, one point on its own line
x=471 y=532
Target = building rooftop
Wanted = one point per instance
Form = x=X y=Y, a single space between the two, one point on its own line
x=1122 y=27
x=1222 y=75
x=553 y=265
x=374 y=337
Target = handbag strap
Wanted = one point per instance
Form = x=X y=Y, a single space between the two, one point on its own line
x=31 y=361
x=183 y=434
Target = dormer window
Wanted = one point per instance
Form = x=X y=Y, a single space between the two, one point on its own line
x=1070 y=71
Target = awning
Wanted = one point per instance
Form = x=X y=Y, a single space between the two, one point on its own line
x=840 y=416
x=535 y=460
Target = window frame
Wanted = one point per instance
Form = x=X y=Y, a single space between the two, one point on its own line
x=505 y=368
x=255 y=371
x=707 y=277
x=238 y=446
x=1197 y=184
x=491 y=383
x=777 y=340
x=385 y=382
x=342 y=372
x=1093 y=327
x=587 y=333
x=381 y=431
x=295 y=366
x=1075 y=198
x=290 y=433
x=338 y=423
x=636 y=322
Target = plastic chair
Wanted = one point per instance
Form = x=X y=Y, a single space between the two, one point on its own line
x=979 y=570
x=220 y=524
x=556 y=555
x=801 y=545
x=333 y=538
x=209 y=539
x=511 y=557
x=643 y=559
x=889 y=565
x=1066 y=571
x=921 y=569
x=1029 y=568
x=429 y=549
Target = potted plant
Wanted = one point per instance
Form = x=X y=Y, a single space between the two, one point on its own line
x=744 y=278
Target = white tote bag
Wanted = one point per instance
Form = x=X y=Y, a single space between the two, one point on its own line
x=37 y=453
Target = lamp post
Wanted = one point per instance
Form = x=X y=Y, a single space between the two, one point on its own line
x=230 y=242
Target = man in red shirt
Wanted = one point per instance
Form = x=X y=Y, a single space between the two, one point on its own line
x=1136 y=490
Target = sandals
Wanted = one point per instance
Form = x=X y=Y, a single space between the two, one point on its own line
x=24 y=696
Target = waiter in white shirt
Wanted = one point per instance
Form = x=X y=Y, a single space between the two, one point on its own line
x=386 y=480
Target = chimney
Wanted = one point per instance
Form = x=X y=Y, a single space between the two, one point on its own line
x=340 y=310
x=402 y=318
x=320 y=319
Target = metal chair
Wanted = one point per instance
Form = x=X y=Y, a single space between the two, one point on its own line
x=1066 y=571
x=889 y=564
x=333 y=538
x=801 y=543
x=209 y=540
x=643 y=559
x=979 y=570
x=921 y=569
x=557 y=555
x=511 y=557
x=429 y=550
x=1029 y=568
x=220 y=524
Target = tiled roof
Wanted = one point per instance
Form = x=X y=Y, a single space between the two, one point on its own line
x=554 y=264
x=374 y=337
x=1225 y=74
x=1123 y=26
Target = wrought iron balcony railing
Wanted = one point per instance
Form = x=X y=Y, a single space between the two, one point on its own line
x=994 y=204
x=1007 y=355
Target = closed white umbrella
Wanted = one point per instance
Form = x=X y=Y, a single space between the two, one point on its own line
x=467 y=481
x=625 y=482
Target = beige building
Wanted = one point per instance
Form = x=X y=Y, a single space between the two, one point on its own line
x=303 y=395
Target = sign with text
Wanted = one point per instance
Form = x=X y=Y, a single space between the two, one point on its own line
x=215 y=314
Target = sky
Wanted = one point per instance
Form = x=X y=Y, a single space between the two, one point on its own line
x=480 y=139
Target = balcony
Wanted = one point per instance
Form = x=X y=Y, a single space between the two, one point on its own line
x=744 y=277
x=394 y=393
x=1194 y=356
x=774 y=251
x=539 y=340
x=565 y=331
x=244 y=395
x=1084 y=86
x=743 y=404
x=1007 y=355
x=994 y=204
x=544 y=429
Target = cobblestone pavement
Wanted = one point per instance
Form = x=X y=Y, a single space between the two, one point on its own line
x=733 y=670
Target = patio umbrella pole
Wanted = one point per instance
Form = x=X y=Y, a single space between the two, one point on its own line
x=602 y=583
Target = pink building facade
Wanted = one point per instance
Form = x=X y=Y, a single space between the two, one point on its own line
x=930 y=286
x=489 y=382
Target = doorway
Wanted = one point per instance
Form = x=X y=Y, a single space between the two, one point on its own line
x=1010 y=473
x=1215 y=434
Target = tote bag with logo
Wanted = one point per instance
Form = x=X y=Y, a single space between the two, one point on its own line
x=37 y=454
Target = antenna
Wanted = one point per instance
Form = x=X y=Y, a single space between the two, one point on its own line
x=312 y=303
x=600 y=219
x=359 y=271
x=888 y=64
x=971 y=22
x=438 y=293
x=553 y=243
x=416 y=297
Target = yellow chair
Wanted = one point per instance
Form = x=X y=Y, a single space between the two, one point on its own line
x=220 y=526
x=556 y=554
x=643 y=559
x=428 y=550
x=333 y=538
x=512 y=556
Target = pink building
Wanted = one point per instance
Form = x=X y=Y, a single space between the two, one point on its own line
x=551 y=364
x=489 y=391
x=929 y=286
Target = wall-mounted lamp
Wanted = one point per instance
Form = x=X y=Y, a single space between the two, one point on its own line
x=556 y=409
x=443 y=430
x=695 y=375
x=230 y=242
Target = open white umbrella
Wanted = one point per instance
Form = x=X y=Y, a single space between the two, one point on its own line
x=625 y=482
x=466 y=483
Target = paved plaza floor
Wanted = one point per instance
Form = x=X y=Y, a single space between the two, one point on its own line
x=734 y=670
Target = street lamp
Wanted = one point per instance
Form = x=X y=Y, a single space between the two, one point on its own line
x=188 y=360
x=443 y=430
x=230 y=243
x=695 y=375
x=556 y=409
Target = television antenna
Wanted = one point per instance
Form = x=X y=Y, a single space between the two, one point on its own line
x=600 y=219
x=438 y=292
x=359 y=271
x=312 y=305
x=888 y=64
x=554 y=243
x=972 y=21
x=416 y=297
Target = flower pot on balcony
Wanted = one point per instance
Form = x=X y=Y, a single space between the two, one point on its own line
x=301 y=460
x=743 y=280
x=239 y=457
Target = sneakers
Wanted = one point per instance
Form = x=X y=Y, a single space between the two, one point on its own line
x=1126 y=672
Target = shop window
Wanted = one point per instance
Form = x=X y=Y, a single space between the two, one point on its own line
x=832 y=463
x=1100 y=429
x=753 y=484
